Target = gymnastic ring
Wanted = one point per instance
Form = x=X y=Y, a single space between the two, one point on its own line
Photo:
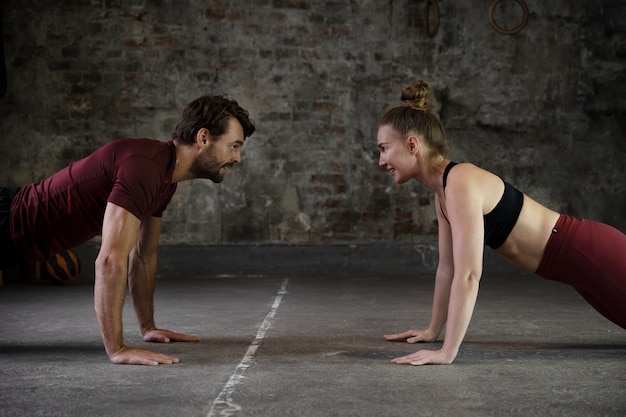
x=517 y=28
x=427 y=15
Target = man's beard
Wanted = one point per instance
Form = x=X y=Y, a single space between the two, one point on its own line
x=207 y=166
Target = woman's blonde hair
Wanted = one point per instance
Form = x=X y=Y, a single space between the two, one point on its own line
x=415 y=117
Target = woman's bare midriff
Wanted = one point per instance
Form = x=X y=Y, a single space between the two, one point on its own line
x=527 y=241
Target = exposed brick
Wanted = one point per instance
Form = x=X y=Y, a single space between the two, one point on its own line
x=291 y=4
x=424 y=201
x=403 y=216
x=216 y=15
x=331 y=203
x=76 y=3
x=329 y=178
x=373 y=216
x=316 y=76
x=165 y=41
x=406 y=229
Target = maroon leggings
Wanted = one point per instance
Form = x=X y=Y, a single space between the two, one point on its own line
x=591 y=257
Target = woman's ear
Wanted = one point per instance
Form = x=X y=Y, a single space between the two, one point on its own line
x=414 y=144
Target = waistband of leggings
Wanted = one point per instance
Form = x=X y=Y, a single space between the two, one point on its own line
x=558 y=245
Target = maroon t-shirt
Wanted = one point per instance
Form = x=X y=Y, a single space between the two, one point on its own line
x=67 y=208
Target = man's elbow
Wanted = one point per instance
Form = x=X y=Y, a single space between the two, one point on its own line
x=110 y=263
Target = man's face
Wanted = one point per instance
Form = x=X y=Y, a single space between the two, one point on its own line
x=221 y=153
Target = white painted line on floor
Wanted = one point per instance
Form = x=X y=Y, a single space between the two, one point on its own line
x=223 y=404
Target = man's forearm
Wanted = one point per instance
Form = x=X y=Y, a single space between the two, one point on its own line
x=109 y=292
x=142 y=281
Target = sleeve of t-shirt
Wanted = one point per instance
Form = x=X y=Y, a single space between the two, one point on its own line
x=158 y=210
x=137 y=186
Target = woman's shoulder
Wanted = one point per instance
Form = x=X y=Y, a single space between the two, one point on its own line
x=469 y=182
x=467 y=173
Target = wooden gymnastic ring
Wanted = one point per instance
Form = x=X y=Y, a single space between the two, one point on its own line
x=427 y=15
x=517 y=28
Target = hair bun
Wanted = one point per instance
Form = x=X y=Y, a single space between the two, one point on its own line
x=415 y=95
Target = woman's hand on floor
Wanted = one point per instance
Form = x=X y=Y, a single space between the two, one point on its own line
x=412 y=336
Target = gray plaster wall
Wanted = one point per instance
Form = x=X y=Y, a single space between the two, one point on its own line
x=545 y=108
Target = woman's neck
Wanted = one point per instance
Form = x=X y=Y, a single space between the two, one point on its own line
x=432 y=173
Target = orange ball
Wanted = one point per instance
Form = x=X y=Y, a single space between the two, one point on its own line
x=63 y=268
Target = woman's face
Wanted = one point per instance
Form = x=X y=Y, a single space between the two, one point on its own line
x=395 y=154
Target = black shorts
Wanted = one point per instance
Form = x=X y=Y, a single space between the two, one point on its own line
x=9 y=255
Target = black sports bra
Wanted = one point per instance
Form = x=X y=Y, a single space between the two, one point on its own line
x=500 y=221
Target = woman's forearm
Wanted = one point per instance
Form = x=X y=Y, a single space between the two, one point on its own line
x=463 y=294
x=441 y=300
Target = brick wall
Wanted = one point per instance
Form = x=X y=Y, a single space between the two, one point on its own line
x=544 y=108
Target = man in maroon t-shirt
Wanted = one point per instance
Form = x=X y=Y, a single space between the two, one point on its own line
x=120 y=191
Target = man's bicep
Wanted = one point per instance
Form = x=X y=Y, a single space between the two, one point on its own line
x=120 y=229
x=149 y=234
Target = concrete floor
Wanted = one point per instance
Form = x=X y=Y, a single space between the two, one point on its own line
x=309 y=343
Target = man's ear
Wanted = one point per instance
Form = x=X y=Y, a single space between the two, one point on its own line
x=203 y=137
x=414 y=144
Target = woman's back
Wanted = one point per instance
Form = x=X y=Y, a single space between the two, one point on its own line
x=524 y=245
